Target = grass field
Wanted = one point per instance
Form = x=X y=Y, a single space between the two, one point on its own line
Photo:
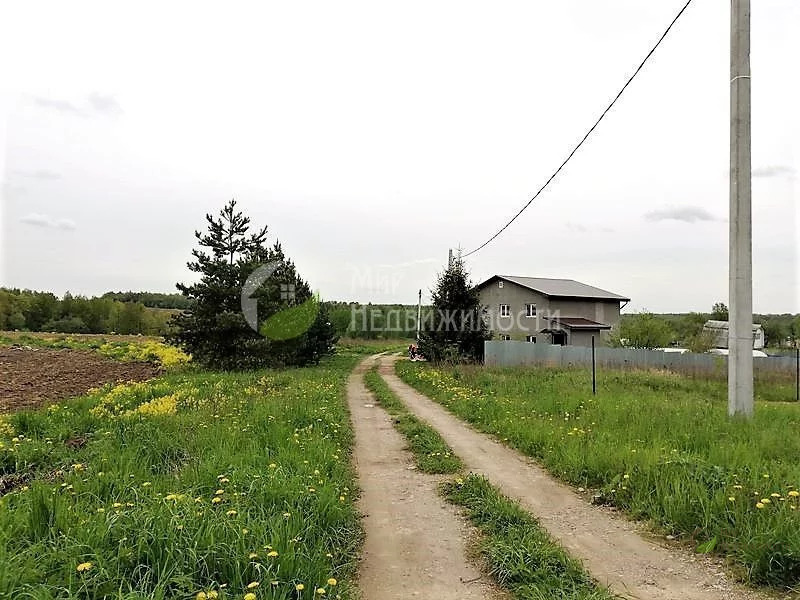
x=194 y=484
x=655 y=445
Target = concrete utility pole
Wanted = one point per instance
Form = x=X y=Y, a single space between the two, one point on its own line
x=740 y=326
x=419 y=315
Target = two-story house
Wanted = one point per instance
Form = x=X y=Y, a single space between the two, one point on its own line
x=550 y=311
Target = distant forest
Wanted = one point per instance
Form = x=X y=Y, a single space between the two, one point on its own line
x=149 y=313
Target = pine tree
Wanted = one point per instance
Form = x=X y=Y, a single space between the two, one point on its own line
x=458 y=328
x=214 y=330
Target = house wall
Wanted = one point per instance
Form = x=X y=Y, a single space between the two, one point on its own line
x=601 y=311
x=584 y=338
x=518 y=326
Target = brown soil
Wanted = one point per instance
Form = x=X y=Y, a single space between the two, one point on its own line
x=614 y=550
x=416 y=544
x=33 y=377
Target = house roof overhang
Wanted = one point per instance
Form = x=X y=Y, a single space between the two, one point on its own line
x=557 y=288
x=578 y=323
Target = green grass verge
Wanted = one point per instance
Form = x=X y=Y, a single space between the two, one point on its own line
x=224 y=484
x=655 y=445
x=431 y=452
x=520 y=554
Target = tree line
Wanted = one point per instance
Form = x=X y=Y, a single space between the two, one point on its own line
x=27 y=310
x=649 y=330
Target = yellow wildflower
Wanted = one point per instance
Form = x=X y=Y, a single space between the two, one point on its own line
x=83 y=567
x=332 y=581
x=253 y=585
x=249 y=596
x=299 y=587
x=272 y=554
x=321 y=591
x=216 y=500
x=794 y=493
x=201 y=596
x=759 y=505
x=231 y=513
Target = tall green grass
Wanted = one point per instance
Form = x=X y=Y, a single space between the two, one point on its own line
x=520 y=553
x=194 y=483
x=655 y=445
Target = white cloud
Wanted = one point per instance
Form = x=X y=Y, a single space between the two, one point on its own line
x=774 y=171
x=40 y=220
x=687 y=214
x=96 y=104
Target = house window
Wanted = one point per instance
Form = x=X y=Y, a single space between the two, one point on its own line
x=530 y=310
x=531 y=338
x=500 y=284
x=505 y=310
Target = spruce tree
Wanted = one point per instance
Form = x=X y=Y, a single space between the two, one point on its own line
x=215 y=331
x=458 y=328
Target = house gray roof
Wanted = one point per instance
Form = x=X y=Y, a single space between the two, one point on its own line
x=562 y=288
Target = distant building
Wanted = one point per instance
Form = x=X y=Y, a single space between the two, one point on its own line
x=549 y=311
x=719 y=333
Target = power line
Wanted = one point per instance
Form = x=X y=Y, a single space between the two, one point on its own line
x=588 y=133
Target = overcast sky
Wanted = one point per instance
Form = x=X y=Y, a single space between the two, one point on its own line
x=370 y=137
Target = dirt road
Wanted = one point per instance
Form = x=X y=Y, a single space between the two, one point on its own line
x=609 y=546
x=415 y=542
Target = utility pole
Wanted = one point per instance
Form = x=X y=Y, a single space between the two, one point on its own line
x=740 y=326
x=419 y=315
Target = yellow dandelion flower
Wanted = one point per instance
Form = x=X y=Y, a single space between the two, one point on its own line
x=272 y=554
x=766 y=501
x=219 y=492
x=216 y=500
x=231 y=513
x=253 y=585
x=759 y=505
x=332 y=581
x=201 y=596
x=272 y=465
x=774 y=495
x=83 y=567
x=299 y=587
x=249 y=596
x=794 y=493
x=252 y=555
x=273 y=582
x=321 y=591
x=731 y=498
x=213 y=594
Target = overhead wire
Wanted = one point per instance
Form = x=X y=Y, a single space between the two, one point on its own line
x=586 y=136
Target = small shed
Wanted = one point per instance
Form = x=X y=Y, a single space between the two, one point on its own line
x=719 y=331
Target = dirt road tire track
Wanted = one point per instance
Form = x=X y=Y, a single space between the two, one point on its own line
x=416 y=543
x=609 y=546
